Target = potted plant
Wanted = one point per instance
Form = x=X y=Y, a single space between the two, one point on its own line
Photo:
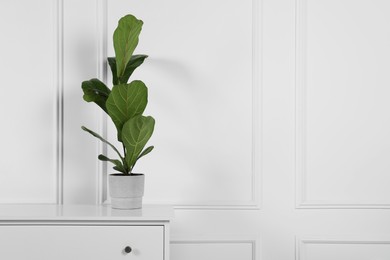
x=125 y=105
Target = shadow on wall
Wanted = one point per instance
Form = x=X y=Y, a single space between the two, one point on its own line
x=80 y=150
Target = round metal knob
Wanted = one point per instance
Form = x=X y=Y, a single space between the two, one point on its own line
x=128 y=249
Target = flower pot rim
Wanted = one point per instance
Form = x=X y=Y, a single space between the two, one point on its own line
x=126 y=175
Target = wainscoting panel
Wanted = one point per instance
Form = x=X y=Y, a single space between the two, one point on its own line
x=81 y=62
x=213 y=249
x=342 y=249
x=342 y=104
x=29 y=98
x=203 y=92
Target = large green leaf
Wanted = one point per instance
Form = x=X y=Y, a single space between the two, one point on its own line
x=135 y=62
x=135 y=134
x=125 y=41
x=96 y=91
x=125 y=102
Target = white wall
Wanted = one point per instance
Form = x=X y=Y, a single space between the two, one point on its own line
x=29 y=82
x=271 y=119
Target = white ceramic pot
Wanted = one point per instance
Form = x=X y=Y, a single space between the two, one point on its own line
x=126 y=191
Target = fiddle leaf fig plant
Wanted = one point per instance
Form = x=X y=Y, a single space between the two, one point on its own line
x=125 y=103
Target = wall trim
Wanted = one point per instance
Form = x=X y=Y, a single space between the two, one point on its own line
x=300 y=86
x=325 y=204
x=301 y=199
x=101 y=71
x=255 y=201
x=59 y=29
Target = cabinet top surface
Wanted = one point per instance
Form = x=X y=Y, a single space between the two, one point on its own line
x=38 y=212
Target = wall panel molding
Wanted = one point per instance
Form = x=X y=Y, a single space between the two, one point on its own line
x=302 y=200
x=226 y=240
x=101 y=67
x=302 y=243
x=60 y=101
x=255 y=202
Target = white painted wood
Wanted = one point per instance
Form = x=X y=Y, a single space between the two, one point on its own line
x=81 y=242
x=38 y=212
x=28 y=105
x=83 y=232
x=80 y=63
x=343 y=103
x=343 y=249
x=214 y=247
x=212 y=250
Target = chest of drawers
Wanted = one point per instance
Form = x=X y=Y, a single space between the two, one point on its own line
x=84 y=232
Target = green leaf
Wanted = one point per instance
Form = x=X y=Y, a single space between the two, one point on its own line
x=112 y=63
x=125 y=41
x=96 y=91
x=125 y=102
x=117 y=163
x=135 y=134
x=103 y=140
x=145 y=152
x=135 y=62
x=119 y=169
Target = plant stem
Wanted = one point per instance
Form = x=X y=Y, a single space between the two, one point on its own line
x=124 y=156
x=124 y=150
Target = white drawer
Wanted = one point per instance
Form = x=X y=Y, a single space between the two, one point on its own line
x=81 y=242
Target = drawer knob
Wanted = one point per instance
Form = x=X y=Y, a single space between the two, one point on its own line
x=128 y=249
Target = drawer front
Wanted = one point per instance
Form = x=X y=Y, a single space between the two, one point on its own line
x=81 y=242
